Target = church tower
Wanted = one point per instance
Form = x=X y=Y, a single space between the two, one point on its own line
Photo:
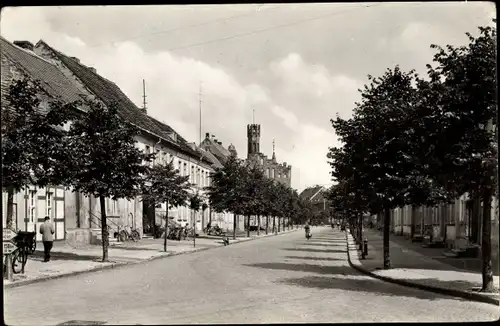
x=253 y=136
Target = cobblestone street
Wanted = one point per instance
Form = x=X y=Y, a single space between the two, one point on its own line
x=272 y=280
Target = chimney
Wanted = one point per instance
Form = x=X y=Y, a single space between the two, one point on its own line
x=25 y=45
x=215 y=140
x=207 y=135
x=76 y=59
x=93 y=70
x=220 y=143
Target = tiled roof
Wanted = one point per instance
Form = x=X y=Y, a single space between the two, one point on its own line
x=212 y=158
x=216 y=149
x=308 y=193
x=51 y=78
x=109 y=93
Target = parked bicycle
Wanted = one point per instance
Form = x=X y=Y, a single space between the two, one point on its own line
x=127 y=233
x=174 y=233
x=26 y=245
x=213 y=230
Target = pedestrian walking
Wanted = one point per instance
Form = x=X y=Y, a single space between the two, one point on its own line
x=47 y=231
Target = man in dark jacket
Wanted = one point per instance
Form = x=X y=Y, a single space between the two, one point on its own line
x=47 y=231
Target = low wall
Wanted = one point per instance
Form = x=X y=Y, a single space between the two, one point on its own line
x=78 y=237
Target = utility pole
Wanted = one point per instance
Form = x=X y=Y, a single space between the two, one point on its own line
x=144 y=95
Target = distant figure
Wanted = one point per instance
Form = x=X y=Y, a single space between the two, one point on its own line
x=47 y=231
x=308 y=232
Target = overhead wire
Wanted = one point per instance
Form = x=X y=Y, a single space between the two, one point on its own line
x=187 y=26
x=270 y=28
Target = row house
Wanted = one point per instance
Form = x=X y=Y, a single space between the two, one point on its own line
x=80 y=214
x=457 y=226
x=31 y=205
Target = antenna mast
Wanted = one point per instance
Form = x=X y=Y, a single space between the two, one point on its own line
x=144 y=95
x=200 y=111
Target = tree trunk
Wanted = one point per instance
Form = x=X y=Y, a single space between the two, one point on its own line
x=210 y=215
x=104 y=230
x=235 y=218
x=274 y=224
x=10 y=207
x=487 y=270
x=412 y=227
x=194 y=228
x=267 y=224
x=360 y=228
x=258 y=224
x=387 y=224
x=248 y=226
x=279 y=224
x=166 y=230
x=442 y=221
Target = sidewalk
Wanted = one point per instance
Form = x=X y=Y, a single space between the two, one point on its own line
x=466 y=264
x=411 y=268
x=66 y=260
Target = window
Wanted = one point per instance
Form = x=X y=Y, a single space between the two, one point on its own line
x=279 y=175
x=32 y=205
x=164 y=158
x=198 y=177
x=48 y=204
x=185 y=169
x=179 y=167
x=268 y=173
x=192 y=176
x=157 y=156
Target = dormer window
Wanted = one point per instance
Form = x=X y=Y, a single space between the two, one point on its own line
x=173 y=136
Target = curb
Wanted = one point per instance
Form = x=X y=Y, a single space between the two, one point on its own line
x=122 y=264
x=455 y=293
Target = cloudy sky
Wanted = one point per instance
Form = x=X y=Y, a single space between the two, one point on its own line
x=295 y=65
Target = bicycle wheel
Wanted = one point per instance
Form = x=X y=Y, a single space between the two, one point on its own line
x=123 y=236
x=33 y=247
x=136 y=236
x=19 y=259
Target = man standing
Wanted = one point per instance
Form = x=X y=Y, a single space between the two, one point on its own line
x=47 y=231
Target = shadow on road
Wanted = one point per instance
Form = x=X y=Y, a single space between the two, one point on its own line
x=315 y=258
x=362 y=285
x=344 y=270
x=313 y=243
x=316 y=250
x=65 y=256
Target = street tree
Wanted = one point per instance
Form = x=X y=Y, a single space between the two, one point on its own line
x=164 y=184
x=461 y=137
x=226 y=189
x=253 y=194
x=375 y=158
x=195 y=204
x=105 y=162
x=34 y=142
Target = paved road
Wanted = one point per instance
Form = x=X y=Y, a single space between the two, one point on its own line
x=283 y=279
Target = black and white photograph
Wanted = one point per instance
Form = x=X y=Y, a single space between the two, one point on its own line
x=252 y=163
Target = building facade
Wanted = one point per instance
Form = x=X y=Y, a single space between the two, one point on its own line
x=31 y=205
x=452 y=224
